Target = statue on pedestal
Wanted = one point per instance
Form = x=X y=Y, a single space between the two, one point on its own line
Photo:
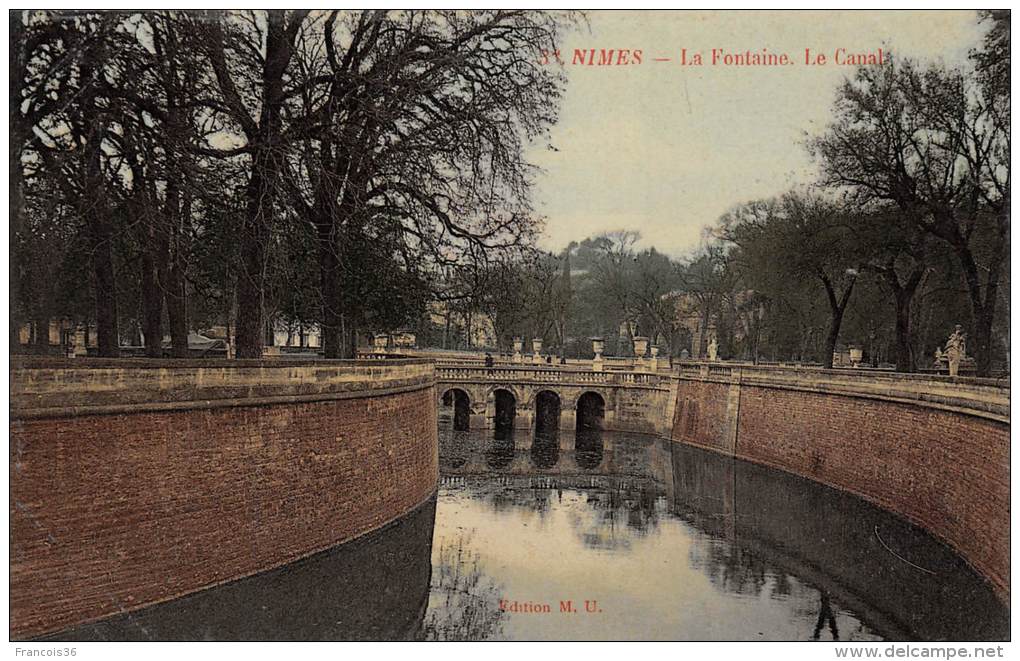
x=713 y=348
x=956 y=349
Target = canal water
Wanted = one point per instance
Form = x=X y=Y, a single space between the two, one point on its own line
x=597 y=535
x=665 y=541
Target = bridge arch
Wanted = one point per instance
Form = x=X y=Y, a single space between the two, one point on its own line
x=547 y=412
x=504 y=401
x=590 y=411
x=455 y=409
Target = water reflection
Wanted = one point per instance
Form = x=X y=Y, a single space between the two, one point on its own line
x=895 y=576
x=670 y=541
x=463 y=599
x=545 y=450
x=588 y=448
x=374 y=588
x=500 y=452
x=680 y=543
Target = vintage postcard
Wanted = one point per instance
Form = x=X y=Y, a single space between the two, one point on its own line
x=510 y=325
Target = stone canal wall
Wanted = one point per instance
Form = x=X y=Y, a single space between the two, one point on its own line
x=136 y=482
x=935 y=451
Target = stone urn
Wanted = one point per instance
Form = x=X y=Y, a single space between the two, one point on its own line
x=518 y=347
x=536 y=349
x=379 y=342
x=640 y=346
x=598 y=345
x=856 y=355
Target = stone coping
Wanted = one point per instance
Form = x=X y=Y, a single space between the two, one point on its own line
x=688 y=367
x=59 y=362
x=64 y=387
x=986 y=398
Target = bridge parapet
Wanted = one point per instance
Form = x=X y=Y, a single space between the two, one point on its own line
x=539 y=374
x=633 y=401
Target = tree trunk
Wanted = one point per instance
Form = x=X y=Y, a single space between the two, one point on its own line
x=837 y=307
x=19 y=133
x=904 y=350
x=41 y=335
x=982 y=302
x=350 y=345
x=983 y=339
x=903 y=295
x=982 y=307
x=176 y=284
x=262 y=189
x=177 y=309
x=92 y=207
x=832 y=338
x=250 y=280
x=329 y=273
x=106 y=293
x=152 y=306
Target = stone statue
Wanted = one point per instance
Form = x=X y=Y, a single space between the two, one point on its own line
x=938 y=357
x=713 y=348
x=956 y=349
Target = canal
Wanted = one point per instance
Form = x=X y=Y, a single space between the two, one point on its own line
x=597 y=535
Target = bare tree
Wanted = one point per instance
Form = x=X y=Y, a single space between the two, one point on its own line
x=937 y=147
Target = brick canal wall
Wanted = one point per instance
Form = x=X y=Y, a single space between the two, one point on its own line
x=935 y=451
x=136 y=482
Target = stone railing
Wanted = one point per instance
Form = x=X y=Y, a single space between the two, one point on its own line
x=539 y=374
x=987 y=398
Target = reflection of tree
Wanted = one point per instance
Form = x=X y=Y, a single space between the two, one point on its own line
x=733 y=568
x=825 y=616
x=528 y=499
x=464 y=601
x=620 y=513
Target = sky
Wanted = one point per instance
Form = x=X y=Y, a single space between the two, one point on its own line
x=665 y=149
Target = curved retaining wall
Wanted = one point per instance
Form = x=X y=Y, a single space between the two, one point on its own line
x=136 y=482
x=935 y=451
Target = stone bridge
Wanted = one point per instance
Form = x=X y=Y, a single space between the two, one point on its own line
x=564 y=397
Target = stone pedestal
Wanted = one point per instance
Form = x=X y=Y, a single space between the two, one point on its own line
x=80 y=350
x=379 y=342
x=653 y=362
x=597 y=345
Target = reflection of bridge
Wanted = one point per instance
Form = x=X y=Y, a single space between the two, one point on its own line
x=563 y=397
